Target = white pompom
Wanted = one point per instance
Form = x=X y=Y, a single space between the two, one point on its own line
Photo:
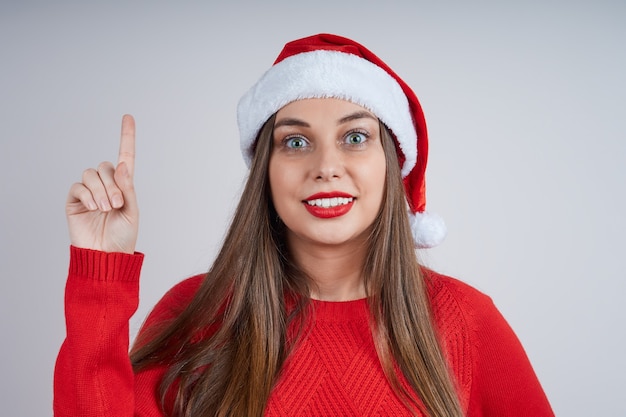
x=429 y=229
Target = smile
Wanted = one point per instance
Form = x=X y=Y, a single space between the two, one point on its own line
x=330 y=202
x=329 y=205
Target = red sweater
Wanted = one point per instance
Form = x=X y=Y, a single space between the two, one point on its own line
x=334 y=372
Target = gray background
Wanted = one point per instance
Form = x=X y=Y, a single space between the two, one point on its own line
x=525 y=105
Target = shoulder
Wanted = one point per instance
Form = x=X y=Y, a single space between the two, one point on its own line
x=184 y=291
x=456 y=304
x=459 y=307
x=460 y=312
x=442 y=287
x=175 y=300
x=489 y=362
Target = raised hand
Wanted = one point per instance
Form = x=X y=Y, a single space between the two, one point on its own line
x=102 y=211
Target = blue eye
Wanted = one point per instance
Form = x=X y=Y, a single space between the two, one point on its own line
x=355 y=138
x=296 y=142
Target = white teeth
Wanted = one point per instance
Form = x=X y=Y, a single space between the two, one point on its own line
x=330 y=202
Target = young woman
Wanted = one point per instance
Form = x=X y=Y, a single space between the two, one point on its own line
x=316 y=304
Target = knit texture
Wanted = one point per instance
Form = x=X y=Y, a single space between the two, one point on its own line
x=334 y=370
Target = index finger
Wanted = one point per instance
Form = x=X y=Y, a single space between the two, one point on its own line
x=127 y=143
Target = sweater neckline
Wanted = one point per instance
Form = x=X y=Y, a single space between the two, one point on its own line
x=336 y=311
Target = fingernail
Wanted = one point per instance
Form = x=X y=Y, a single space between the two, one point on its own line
x=117 y=201
x=92 y=206
x=104 y=204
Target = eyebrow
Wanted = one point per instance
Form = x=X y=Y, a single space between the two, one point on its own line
x=292 y=121
x=355 y=116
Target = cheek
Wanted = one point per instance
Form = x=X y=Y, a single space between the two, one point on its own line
x=376 y=172
x=282 y=182
x=274 y=181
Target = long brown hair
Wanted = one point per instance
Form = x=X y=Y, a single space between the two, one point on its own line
x=225 y=350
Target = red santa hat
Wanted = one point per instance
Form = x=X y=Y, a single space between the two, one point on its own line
x=324 y=66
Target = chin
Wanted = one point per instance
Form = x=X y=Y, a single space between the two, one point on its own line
x=336 y=237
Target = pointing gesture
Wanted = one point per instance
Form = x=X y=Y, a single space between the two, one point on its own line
x=102 y=212
x=127 y=144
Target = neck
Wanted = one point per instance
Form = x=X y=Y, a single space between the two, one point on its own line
x=336 y=270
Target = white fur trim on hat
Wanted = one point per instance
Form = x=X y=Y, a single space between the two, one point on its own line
x=325 y=74
x=428 y=229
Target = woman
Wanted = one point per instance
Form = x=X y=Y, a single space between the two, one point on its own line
x=316 y=304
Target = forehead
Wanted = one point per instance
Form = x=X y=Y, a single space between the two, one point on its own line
x=333 y=108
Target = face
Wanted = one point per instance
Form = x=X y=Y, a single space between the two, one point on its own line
x=326 y=171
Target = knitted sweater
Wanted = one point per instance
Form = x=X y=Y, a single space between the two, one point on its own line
x=333 y=372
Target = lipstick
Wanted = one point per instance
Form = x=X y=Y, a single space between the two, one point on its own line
x=329 y=204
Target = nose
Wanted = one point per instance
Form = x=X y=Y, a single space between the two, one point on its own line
x=328 y=163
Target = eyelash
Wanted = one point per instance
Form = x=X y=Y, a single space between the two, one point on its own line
x=366 y=135
x=286 y=140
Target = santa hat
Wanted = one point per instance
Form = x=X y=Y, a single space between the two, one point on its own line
x=324 y=66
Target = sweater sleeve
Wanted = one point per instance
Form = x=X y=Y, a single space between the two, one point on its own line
x=93 y=374
x=504 y=383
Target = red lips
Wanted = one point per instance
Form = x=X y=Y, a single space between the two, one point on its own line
x=329 y=212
